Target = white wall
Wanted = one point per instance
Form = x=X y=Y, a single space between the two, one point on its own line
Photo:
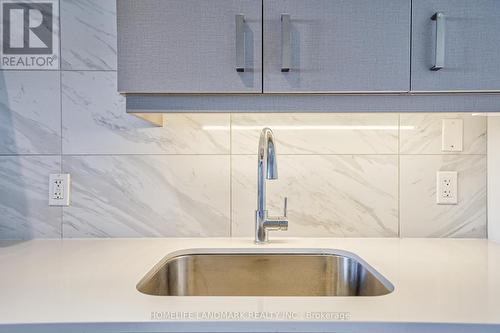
x=494 y=177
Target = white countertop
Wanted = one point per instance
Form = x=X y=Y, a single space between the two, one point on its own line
x=89 y=286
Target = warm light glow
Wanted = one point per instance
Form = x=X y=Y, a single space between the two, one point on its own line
x=487 y=114
x=309 y=127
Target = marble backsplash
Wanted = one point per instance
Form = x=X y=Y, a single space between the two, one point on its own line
x=346 y=175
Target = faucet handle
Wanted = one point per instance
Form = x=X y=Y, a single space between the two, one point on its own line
x=285 y=207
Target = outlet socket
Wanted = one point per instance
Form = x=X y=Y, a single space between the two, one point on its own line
x=59 y=189
x=447 y=188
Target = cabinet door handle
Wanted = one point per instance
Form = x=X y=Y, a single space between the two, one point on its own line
x=440 y=37
x=286 y=51
x=240 y=43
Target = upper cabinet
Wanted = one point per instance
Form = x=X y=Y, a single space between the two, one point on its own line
x=189 y=46
x=308 y=46
x=215 y=46
x=456 y=45
x=336 y=46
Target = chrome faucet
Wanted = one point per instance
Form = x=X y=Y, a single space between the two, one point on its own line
x=267 y=164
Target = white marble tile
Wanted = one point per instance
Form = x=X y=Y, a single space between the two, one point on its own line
x=95 y=122
x=141 y=196
x=30 y=112
x=24 y=210
x=422 y=217
x=88 y=38
x=328 y=195
x=423 y=133
x=318 y=133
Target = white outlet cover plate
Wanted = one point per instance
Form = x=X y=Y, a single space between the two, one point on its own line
x=59 y=189
x=447 y=187
x=452 y=134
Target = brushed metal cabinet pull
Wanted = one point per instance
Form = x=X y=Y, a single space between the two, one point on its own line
x=240 y=43
x=440 y=41
x=285 y=207
x=286 y=52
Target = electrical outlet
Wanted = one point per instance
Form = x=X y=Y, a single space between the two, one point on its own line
x=446 y=188
x=59 y=189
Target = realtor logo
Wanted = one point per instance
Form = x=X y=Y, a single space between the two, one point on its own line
x=29 y=34
x=27 y=28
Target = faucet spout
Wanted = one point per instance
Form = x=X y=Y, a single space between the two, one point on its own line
x=267 y=153
x=267 y=168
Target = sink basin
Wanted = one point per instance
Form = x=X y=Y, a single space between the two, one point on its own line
x=255 y=273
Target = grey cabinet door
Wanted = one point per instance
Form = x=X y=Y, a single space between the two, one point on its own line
x=188 y=46
x=337 y=45
x=471 y=45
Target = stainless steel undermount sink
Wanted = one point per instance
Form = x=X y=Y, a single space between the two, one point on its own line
x=240 y=272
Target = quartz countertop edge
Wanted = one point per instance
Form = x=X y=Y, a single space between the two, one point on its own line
x=88 y=285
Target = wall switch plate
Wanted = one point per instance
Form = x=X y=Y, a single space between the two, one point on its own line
x=447 y=188
x=59 y=189
x=452 y=134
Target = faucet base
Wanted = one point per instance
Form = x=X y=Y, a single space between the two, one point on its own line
x=265 y=223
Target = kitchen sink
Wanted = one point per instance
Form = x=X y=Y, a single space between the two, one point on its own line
x=255 y=273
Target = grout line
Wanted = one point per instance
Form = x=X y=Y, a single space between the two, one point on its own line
x=58 y=70
x=230 y=175
x=29 y=155
x=445 y=154
x=226 y=154
x=61 y=108
x=487 y=182
x=399 y=175
x=358 y=154
x=111 y=154
x=146 y=154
